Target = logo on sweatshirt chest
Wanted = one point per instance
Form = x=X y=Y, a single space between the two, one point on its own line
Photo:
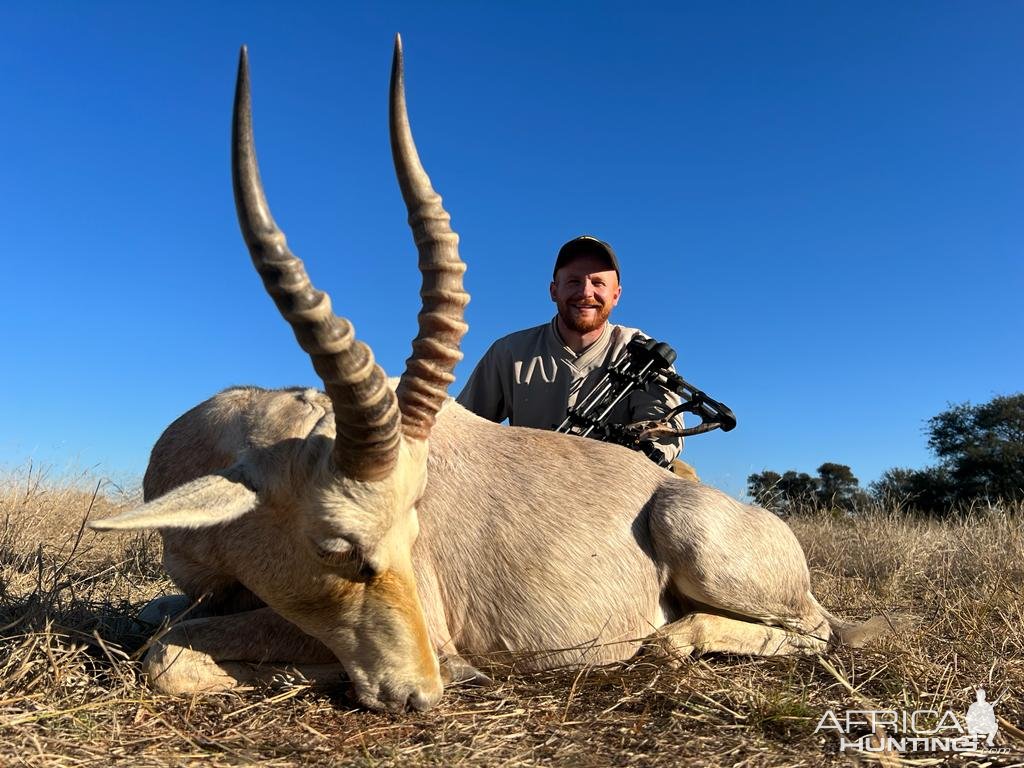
x=545 y=369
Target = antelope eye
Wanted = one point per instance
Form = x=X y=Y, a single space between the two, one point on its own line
x=336 y=551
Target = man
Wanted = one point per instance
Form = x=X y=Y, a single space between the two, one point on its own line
x=532 y=377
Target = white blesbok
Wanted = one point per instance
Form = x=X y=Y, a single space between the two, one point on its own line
x=326 y=527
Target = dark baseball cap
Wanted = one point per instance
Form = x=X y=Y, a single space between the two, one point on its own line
x=586 y=245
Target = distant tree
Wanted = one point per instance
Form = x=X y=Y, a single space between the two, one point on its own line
x=895 y=488
x=930 y=490
x=838 y=487
x=799 y=489
x=982 y=447
x=792 y=491
x=763 y=488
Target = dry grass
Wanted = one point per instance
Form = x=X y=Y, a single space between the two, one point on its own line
x=71 y=693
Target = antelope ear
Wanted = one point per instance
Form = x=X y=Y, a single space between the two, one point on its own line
x=209 y=500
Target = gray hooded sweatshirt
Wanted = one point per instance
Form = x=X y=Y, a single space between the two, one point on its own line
x=531 y=378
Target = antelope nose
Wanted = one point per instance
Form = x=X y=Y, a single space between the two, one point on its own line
x=423 y=699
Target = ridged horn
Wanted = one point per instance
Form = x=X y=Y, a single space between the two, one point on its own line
x=435 y=350
x=366 y=412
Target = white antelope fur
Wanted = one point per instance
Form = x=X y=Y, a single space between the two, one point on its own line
x=534 y=548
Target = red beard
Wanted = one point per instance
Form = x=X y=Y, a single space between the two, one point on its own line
x=582 y=324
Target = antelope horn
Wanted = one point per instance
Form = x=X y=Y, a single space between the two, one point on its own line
x=435 y=350
x=366 y=414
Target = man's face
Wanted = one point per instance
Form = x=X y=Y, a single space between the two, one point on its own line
x=585 y=290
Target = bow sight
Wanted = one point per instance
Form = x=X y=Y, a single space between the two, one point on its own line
x=643 y=362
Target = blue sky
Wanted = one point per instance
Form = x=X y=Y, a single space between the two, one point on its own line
x=819 y=205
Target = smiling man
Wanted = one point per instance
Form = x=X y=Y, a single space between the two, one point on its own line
x=532 y=377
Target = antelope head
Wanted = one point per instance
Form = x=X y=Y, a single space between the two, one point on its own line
x=330 y=519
